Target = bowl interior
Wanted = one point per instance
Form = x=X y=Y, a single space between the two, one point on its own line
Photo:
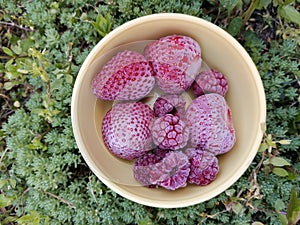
x=219 y=51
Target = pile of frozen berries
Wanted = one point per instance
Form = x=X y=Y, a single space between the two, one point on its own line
x=172 y=143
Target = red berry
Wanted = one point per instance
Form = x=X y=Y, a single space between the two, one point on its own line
x=210 y=81
x=209 y=119
x=204 y=166
x=126 y=129
x=176 y=60
x=127 y=76
x=170 y=132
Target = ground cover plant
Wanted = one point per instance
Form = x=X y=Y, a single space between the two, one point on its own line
x=43 y=178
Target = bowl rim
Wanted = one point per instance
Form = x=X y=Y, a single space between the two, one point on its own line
x=154 y=17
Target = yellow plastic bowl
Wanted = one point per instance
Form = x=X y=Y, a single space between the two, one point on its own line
x=220 y=51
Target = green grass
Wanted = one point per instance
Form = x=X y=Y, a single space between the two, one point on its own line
x=44 y=179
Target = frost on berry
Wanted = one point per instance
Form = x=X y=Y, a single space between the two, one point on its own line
x=145 y=164
x=172 y=171
x=210 y=121
x=126 y=129
x=176 y=60
x=210 y=81
x=169 y=104
x=170 y=132
x=127 y=76
x=204 y=166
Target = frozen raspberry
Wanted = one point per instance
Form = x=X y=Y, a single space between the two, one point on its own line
x=204 y=166
x=176 y=60
x=145 y=163
x=172 y=171
x=127 y=76
x=142 y=167
x=210 y=81
x=172 y=104
x=209 y=119
x=126 y=129
x=170 y=132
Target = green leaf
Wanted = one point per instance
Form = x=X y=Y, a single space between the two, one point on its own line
x=12 y=183
x=146 y=221
x=259 y=4
x=69 y=79
x=44 y=75
x=9 y=63
x=235 y=26
x=292 y=176
x=23 y=71
x=9 y=220
x=262 y=147
x=280 y=172
x=103 y=24
x=8 y=85
x=290 y=13
x=33 y=218
x=279 y=205
x=293 y=211
x=270 y=141
x=238 y=208
x=5 y=201
x=278 y=161
x=283 y=219
x=7 y=51
x=284 y=142
x=26 y=44
x=2 y=183
x=17 y=49
x=56 y=84
x=84 y=16
x=230 y=192
x=282 y=2
x=47 y=220
x=229 y=4
x=37 y=144
x=2 y=67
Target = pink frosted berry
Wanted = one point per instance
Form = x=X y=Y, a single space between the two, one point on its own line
x=145 y=164
x=204 y=166
x=127 y=76
x=176 y=60
x=126 y=129
x=209 y=119
x=170 y=132
x=172 y=171
x=172 y=104
x=210 y=81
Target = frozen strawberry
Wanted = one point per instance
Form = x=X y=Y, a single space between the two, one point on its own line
x=210 y=81
x=204 y=166
x=176 y=60
x=172 y=104
x=127 y=76
x=126 y=129
x=209 y=119
x=170 y=132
